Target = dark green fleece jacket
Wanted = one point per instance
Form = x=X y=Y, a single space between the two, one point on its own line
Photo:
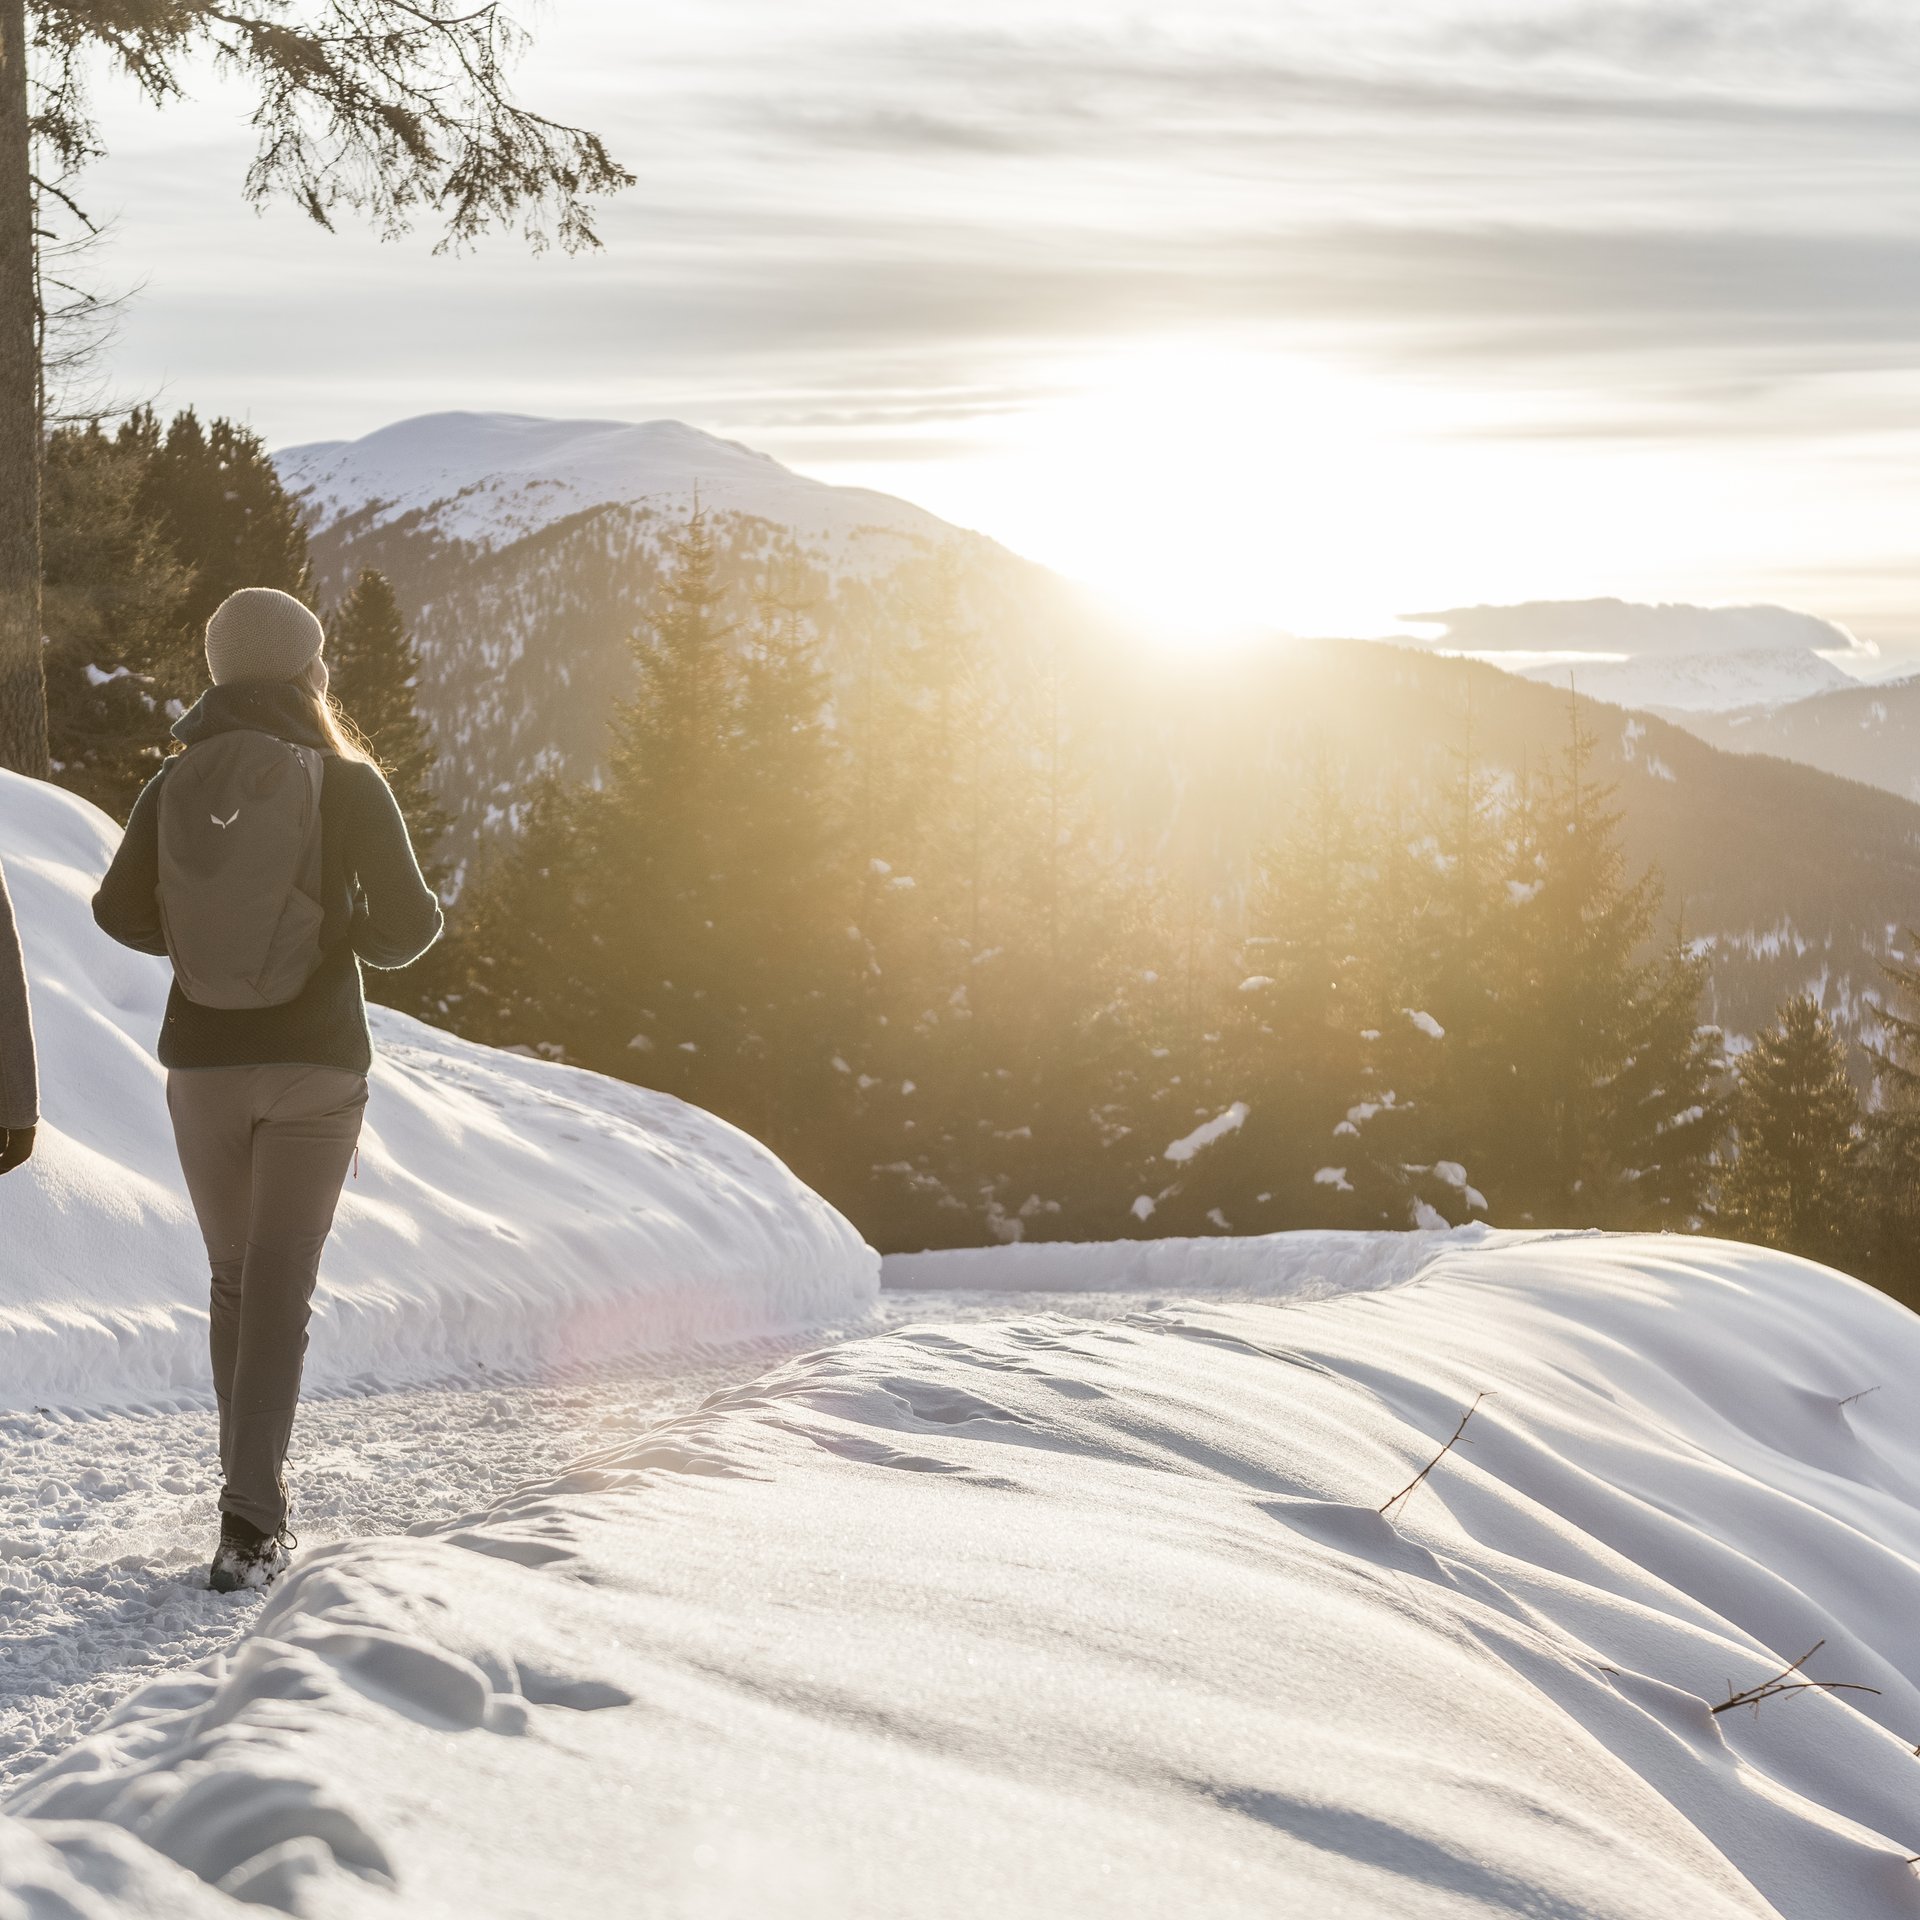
x=378 y=908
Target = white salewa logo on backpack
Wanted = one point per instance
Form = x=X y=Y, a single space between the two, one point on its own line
x=227 y=822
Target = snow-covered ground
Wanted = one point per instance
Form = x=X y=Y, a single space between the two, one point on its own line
x=505 y=1211
x=107 y=1520
x=1103 y=1580
x=1051 y=1615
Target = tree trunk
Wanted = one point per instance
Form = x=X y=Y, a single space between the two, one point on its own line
x=23 y=691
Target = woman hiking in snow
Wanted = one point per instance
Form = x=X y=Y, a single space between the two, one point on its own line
x=267 y=861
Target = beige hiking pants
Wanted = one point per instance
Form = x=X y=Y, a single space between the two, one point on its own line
x=265 y=1151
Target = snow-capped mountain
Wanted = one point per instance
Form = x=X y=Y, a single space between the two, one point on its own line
x=1701 y=682
x=526 y=553
x=494 y=478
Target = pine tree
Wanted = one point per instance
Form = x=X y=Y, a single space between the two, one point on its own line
x=146 y=532
x=1442 y=997
x=1892 y=1153
x=376 y=675
x=1052 y=1037
x=924 y=861
x=217 y=496
x=790 y=895
x=1290 y=1045
x=119 y=660
x=665 y=982
x=516 y=966
x=1662 y=1108
x=1794 y=1179
x=1610 y=1105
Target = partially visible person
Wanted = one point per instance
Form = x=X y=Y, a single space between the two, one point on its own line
x=19 y=1070
x=267 y=861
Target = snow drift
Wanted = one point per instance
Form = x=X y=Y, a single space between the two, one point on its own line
x=1054 y=1617
x=506 y=1211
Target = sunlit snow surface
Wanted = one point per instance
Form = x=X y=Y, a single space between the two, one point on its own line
x=503 y=1211
x=1050 y=1616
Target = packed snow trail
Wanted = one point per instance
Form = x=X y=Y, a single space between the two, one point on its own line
x=107 y=1520
x=1059 y=1616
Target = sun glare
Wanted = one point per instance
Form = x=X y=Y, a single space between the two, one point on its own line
x=1216 y=491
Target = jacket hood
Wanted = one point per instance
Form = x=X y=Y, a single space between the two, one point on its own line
x=277 y=707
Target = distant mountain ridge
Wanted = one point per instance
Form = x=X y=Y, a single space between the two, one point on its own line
x=1865 y=732
x=1687 y=684
x=490 y=479
x=525 y=552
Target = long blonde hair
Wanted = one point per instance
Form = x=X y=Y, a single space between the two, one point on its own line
x=342 y=736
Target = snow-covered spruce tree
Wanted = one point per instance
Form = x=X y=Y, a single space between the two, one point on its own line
x=1794 y=1179
x=1290 y=1049
x=375 y=671
x=1662 y=1104
x=1438 y=988
x=385 y=107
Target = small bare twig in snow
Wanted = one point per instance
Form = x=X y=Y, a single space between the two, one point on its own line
x=1387 y=1510
x=1861 y=1395
x=1784 y=1682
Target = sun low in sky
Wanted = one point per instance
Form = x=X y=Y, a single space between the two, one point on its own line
x=1291 y=318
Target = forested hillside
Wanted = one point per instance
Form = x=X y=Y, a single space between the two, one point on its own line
x=1869 y=733
x=996 y=922
x=1784 y=879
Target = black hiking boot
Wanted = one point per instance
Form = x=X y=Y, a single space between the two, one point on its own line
x=247 y=1557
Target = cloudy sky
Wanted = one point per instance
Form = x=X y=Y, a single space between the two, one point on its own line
x=1309 y=314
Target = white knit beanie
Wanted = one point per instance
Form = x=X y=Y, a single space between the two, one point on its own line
x=261 y=633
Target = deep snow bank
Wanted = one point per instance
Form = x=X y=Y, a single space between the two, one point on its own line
x=1054 y=1618
x=506 y=1211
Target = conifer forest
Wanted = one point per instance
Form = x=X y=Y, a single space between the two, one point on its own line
x=879 y=906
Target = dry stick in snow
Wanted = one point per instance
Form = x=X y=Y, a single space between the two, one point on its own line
x=1784 y=1682
x=1387 y=1510
x=1861 y=1395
